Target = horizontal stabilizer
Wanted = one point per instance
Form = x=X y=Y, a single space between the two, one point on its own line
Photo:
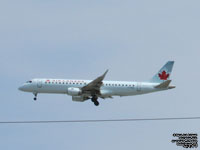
x=164 y=84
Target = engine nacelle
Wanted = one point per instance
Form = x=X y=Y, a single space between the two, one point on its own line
x=74 y=91
x=78 y=98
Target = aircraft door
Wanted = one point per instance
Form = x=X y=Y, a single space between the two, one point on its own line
x=39 y=83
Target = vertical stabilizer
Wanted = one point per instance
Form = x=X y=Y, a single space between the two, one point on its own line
x=164 y=73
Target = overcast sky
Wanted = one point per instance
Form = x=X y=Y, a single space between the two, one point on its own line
x=80 y=40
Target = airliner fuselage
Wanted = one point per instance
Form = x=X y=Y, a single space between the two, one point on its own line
x=82 y=90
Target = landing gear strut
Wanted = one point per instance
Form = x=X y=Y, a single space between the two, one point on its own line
x=35 y=98
x=94 y=100
x=96 y=103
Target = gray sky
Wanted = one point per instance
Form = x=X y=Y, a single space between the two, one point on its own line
x=81 y=39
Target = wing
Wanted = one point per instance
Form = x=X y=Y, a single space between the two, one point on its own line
x=93 y=87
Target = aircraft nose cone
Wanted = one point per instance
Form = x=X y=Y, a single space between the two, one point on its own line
x=21 y=88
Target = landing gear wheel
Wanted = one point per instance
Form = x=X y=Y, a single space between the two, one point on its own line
x=96 y=103
x=35 y=98
x=94 y=100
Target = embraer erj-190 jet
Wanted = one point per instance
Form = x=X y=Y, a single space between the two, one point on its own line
x=82 y=90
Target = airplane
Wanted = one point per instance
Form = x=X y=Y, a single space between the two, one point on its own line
x=82 y=90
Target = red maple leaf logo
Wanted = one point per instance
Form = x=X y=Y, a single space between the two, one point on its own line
x=163 y=76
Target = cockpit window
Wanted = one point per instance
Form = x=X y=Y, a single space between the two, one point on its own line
x=29 y=82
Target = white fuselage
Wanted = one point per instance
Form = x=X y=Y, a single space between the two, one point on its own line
x=82 y=90
x=108 y=89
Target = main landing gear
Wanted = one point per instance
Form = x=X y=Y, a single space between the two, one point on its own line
x=94 y=100
x=35 y=98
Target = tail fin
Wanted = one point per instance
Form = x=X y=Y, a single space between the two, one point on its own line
x=164 y=73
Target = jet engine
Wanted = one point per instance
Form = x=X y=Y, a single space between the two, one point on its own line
x=74 y=91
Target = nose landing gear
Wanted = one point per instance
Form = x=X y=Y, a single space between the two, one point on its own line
x=94 y=100
x=35 y=98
